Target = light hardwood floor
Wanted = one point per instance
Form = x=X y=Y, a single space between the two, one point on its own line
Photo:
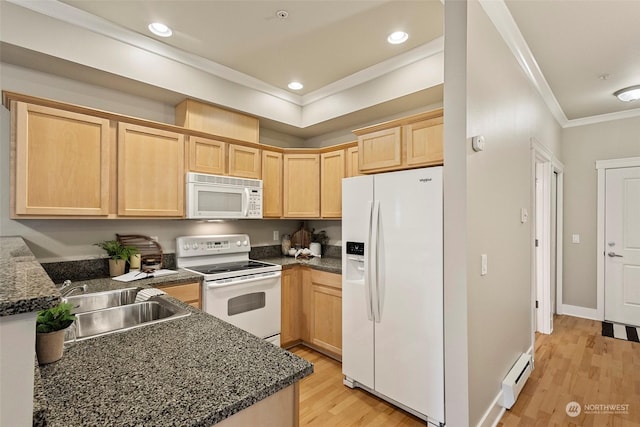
x=576 y=363
x=325 y=402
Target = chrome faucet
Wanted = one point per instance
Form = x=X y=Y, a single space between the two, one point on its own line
x=65 y=290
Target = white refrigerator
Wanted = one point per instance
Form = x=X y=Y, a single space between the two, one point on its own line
x=392 y=289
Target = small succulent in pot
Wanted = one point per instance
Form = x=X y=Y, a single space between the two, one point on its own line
x=50 y=331
x=118 y=254
x=55 y=318
x=117 y=250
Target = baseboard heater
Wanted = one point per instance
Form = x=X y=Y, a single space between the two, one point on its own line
x=515 y=379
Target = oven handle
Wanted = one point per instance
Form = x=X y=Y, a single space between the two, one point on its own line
x=243 y=281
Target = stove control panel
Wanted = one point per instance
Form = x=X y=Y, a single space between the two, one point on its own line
x=190 y=246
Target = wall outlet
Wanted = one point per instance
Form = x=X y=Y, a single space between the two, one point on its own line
x=276 y=235
x=154 y=238
x=575 y=238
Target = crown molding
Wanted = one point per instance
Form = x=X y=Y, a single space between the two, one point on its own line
x=601 y=118
x=505 y=24
x=66 y=13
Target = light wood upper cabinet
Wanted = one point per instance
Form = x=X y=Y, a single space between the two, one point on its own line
x=290 y=306
x=244 y=162
x=380 y=150
x=62 y=162
x=325 y=311
x=331 y=173
x=150 y=172
x=424 y=142
x=406 y=143
x=196 y=115
x=207 y=155
x=271 y=184
x=351 y=154
x=301 y=186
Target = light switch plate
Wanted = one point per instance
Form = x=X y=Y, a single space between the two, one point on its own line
x=276 y=235
x=575 y=238
x=524 y=215
x=483 y=267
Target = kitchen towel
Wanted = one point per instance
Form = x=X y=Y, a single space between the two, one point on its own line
x=145 y=294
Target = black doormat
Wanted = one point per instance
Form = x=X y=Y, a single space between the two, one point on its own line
x=622 y=332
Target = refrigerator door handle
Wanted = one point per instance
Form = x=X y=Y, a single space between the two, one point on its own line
x=375 y=291
x=367 y=263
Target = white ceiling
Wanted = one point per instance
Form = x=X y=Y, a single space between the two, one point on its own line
x=336 y=46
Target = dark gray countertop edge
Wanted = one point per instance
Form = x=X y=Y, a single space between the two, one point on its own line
x=26 y=287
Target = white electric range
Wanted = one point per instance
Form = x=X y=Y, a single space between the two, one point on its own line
x=236 y=289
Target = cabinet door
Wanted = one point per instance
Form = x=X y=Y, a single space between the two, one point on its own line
x=207 y=155
x=150 y=172
x=325 y=330
x=331 y=174
x=62 y=162
x=424 y=142
x=301 y=186
x=351 y=154
x=187 y=292
x=381 y=150
x=271 y=184
x=244 y=162
x=290 y=306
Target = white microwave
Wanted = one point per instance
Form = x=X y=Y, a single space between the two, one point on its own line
x=223 y=197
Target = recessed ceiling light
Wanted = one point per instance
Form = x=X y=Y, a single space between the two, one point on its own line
x=295 y=85
x=397 y=37
x=160 y=29
x=628 y=94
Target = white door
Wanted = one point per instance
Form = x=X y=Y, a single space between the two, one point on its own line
x=622 y=245
x=409 y=350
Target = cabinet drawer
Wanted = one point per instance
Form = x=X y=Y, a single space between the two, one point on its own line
x=188 y=292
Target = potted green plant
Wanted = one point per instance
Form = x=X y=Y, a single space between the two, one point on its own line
x=50 y=328
x=118 y=255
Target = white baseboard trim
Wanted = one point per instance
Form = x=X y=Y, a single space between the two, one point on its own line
x=584 y=312
x=494 y=413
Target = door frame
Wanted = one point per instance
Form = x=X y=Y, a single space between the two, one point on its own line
x=541 y=155
x=601 y=167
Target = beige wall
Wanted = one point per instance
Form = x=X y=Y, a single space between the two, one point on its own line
x=581 y=147
x=503 y=106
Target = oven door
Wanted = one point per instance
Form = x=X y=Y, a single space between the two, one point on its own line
x=214 y=201
x=250 y=302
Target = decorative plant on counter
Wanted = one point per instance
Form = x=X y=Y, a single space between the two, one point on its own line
x=50 y=328
x=55 y=319
x=118 y=254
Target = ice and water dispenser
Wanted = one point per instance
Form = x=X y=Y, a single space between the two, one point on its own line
x=355 y=261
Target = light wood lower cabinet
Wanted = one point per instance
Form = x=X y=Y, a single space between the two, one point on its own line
x=290 y=307
x=325 y=312
x=191 y=293
x=61 y=164
x=312 y=310
x=150 y=172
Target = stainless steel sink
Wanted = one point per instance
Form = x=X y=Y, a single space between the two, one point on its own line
x=92 y=324
x=100 y=300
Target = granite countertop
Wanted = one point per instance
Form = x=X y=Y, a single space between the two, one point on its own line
x=106 y=284
x=26 y=287
x=193 y=371
x=330 y=264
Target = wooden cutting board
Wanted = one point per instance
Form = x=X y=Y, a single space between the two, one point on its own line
x=301 y=238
